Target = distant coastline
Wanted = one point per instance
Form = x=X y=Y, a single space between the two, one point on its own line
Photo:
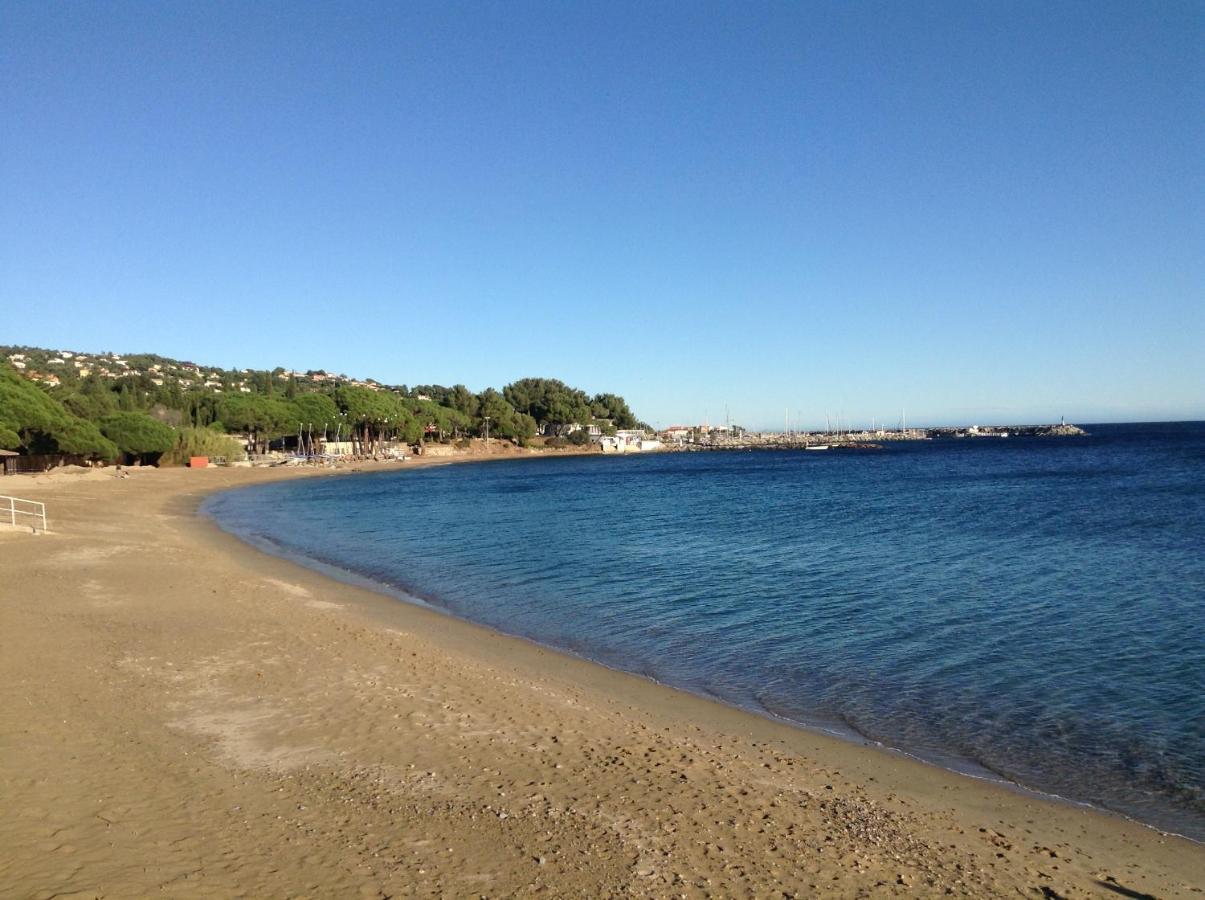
x=725 y=438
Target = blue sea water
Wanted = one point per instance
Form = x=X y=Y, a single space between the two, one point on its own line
x=1029 y=608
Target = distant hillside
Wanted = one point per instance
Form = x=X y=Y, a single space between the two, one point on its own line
x=55 y=367
x=108 y=405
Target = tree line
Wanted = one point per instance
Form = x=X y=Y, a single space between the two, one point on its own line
x=133 y=418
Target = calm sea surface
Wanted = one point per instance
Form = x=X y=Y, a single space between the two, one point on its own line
x=1027 y=609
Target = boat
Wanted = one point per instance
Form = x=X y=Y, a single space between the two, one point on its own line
x=816 y=447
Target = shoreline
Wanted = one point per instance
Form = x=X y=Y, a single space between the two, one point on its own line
x=890 y=823
x=970 y=768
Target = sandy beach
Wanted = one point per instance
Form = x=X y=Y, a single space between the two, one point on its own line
x=182 y=714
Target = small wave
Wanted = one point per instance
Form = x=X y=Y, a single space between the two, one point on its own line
x=981 y=609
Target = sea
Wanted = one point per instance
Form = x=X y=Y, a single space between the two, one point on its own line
x=1029 y=610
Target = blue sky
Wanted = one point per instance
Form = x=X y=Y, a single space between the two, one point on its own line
x=975 y=211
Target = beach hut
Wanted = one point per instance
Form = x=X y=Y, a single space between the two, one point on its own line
x=8 y=461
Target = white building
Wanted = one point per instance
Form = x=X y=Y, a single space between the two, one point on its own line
x=629 y=442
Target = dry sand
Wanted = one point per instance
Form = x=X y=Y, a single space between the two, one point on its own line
x=181 y=714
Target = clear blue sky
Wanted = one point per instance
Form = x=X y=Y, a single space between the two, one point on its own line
x=980 y=211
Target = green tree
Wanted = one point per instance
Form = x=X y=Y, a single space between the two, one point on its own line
x=374 y=414
x=138 y=435
x=32 y=420
x=261 y=417
x=614 y=408
x=90 y=404
x=548 y=401
x=461 y=399
x=446 y=420
x=125 y=399
x=83 y=438
x=201 y=442
x=315 y=409
x=505 y=420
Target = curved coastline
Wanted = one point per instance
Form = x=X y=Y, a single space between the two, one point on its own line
x=271 y=725
x=842 y=731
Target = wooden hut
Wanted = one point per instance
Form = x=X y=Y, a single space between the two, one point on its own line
x=8 y=461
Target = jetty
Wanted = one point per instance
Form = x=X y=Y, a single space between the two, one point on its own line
x=737 y=439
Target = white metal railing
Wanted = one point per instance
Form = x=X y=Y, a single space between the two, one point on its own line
x=11 y=507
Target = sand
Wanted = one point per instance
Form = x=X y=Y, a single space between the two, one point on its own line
x=181 y=714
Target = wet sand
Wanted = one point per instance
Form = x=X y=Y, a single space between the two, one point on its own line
x=182 y=714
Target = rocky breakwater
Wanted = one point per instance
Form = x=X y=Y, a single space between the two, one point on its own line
x=1061 y=430
x=1003 y=431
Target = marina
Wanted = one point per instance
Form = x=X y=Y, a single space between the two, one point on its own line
x=729 y=438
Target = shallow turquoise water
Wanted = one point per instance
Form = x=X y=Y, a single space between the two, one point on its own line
x=1028 y=609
